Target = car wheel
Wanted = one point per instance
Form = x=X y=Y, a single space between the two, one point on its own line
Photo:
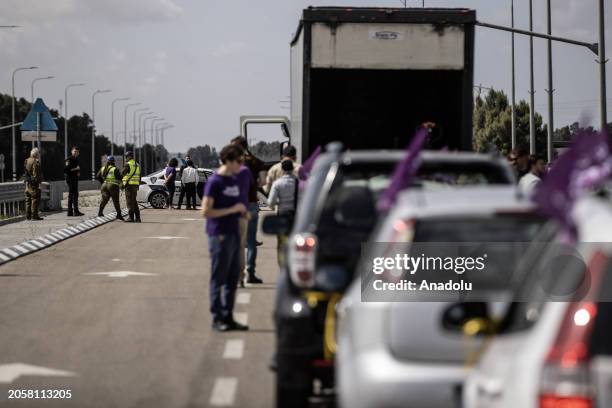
x=293 y=385
x=158 y=199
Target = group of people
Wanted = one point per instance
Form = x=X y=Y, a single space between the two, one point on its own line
x=528 y=169
x=189 y=181
x=231 y=207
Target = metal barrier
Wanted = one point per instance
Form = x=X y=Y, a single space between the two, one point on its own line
x=12 y=198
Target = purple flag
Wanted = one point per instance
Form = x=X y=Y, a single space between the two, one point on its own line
x=404 y=171
x=306 y=168
x=583 y=167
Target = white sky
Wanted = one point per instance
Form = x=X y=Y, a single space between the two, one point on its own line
x=202 y=63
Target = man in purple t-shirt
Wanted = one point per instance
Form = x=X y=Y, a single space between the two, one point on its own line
x=222 y=208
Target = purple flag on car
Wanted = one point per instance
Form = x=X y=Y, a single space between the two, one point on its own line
x=306 y=168
x=404 y=171
x=584 y=166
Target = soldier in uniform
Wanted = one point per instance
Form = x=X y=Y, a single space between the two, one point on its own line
x=110 y=177
x=33 y=178
x=131 y=183
x=72 y=171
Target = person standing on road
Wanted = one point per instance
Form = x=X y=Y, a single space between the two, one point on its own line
x=189 y=181
x=110 y=177
x=276 y=171
x=222 y=208
x=131 y=184
x=254 y=166
x=529 y=182
x=170 y=180
x=72 y=172
x=283 y=197
x=33 y=178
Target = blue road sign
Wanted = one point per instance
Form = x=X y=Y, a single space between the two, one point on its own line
x=39 y=115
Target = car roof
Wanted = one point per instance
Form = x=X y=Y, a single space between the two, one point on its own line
x=426 y=156
x=468 y=200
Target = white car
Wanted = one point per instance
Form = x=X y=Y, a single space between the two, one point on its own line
x=153 y=191
x=398 y=354
x=556 y=354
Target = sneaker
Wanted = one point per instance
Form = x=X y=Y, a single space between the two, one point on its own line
x=78 y=213
x=220 y=326
x=252 y=278
x=234 y=325
x=258 y=243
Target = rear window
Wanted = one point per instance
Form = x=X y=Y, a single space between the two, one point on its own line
x=514 y=228
x=432 y=175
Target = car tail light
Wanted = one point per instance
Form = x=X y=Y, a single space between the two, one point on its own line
x=565 y=381
x=302 y=259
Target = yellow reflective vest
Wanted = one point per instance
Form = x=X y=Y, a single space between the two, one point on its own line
x=110 y=174
x=133 y=177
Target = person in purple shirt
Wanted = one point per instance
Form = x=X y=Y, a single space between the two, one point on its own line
x=170 y=180
x=222 y=206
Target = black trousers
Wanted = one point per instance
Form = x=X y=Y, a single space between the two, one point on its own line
x=73 y=195
x=189 y=190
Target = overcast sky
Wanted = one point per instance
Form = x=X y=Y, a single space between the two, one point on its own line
x=202 y=63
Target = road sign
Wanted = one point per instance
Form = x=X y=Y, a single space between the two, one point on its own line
x=39 y=122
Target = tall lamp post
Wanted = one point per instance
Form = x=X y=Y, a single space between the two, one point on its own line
x=145 y=111
x=144 y=135
x=168 y=126
x=153 y=153
x=136 y=135
x=125 y=138
x=602 y=67
x=93 y=131
x=113 y=123
x=513 y=143
x=66 y=117
x=32 y=96
x=531 y=86
x=13 y=120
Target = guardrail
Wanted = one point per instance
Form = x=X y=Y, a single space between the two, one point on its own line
x=12 y=198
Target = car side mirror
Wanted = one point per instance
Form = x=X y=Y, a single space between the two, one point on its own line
x=470 y=318
x=276 y=224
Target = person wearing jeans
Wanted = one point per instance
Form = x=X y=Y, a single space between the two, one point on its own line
x=170 y=180
x=222 y=208
x=189 y=180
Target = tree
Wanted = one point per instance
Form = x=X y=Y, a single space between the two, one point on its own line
x=204 y=156
x=493 y=124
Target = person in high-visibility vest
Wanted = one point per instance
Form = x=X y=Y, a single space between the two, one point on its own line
x=131 y=183
x=110 y=177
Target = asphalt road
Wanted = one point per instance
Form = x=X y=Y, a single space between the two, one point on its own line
x=135 y=341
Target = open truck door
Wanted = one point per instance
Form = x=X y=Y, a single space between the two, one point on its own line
x=265 y=140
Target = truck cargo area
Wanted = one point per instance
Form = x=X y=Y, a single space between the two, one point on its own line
x=372 y=109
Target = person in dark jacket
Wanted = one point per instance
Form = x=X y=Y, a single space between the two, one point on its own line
x=72 y=171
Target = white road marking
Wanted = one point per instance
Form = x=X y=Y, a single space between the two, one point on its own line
x=10 y=372
x=11 y=252
x=234 y=349
x=20 y=248
x=36 y=244
x=243 y=298
x=28 y=246
x=193 y=219
x=224 y=391
x=4 y=257
x=121 y=274
x=242 y=318
x=166 y=237
x=115 y=259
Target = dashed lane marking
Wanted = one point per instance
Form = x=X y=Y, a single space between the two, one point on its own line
x=234 y=349
x=224 y=392
x=243 y=298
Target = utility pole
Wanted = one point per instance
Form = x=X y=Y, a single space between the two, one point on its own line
x=602 y=67
x=13 y=119
x=513 y=96
x=531 y=86
x=550 y=90
x=112 y=152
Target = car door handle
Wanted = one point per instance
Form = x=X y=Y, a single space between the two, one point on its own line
x=492 y=389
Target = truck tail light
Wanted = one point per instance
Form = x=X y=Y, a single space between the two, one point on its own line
x=302 y=259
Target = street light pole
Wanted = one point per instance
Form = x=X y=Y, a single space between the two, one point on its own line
x=153 y=152
x=144 y=112
x=66 y=117
x=550 y=90
x=113 y=123
x=602 y=67
x=125 y=138
x=32 y=99
x=93 y=131
x=13 y=120
x=136 y=135
x=531 y=86
x=513 y=142
x=144 y=132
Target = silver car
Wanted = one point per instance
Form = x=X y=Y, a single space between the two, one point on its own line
x=398 y=354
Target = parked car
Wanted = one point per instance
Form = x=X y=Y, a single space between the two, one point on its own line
x=555 y=354
x=153 y=192
x=398 y=354
x=336 y=213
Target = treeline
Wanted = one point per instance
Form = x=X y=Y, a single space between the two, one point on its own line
x=79 y=134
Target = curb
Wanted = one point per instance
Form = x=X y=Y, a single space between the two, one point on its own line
x=36 y=244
